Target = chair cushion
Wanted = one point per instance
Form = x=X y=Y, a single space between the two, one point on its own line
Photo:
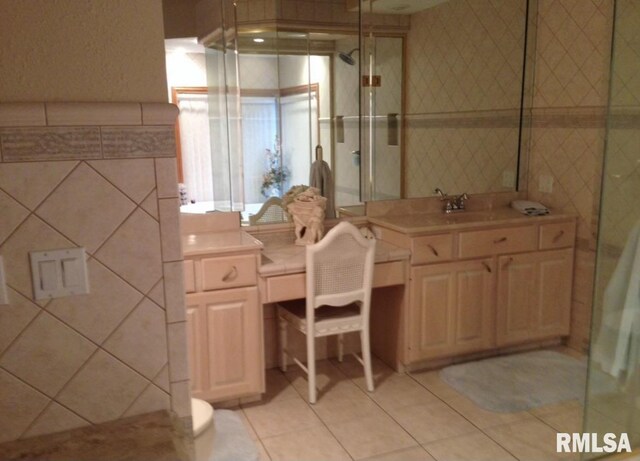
x=329 y=319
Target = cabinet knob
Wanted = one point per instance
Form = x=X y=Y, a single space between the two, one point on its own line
x=506 y=264
x=558 y=236
x=433 y=250
x=500 y=240
x=232 y=274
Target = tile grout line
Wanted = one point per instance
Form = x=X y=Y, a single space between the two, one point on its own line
x=305 y=400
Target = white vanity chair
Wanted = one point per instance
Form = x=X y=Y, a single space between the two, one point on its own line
x=339 y=275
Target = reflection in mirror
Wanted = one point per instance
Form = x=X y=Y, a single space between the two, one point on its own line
x=440 y=97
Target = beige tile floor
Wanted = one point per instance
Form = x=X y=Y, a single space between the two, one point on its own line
x=409 y=417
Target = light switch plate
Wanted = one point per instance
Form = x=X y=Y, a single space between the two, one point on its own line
x=545 y=183
x=4 y=291
x=58 y=273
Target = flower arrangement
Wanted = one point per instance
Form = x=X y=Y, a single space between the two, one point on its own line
x=276 y=175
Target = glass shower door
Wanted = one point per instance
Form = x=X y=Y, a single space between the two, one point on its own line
x=613 y=390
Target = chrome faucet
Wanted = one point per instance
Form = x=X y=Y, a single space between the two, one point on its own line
x=453 y=204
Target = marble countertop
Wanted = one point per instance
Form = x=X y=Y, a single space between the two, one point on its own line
x=218 y=242
x=281 y=255
x=146 y=437
x=418 y=223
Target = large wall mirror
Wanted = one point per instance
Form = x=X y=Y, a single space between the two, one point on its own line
x=413 y=95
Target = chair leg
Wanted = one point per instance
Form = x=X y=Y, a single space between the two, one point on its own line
x=311 y=367
x=340 y=347
x=366 y=357
x=283 y=343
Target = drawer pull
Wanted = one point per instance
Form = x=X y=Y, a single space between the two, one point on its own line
x=500 y=240
x=433 y=250
x=487 y=266
x=506 y=264
x=558 y=236
x=232 y=274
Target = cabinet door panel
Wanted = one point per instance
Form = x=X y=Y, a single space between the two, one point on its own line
x=554 y=306
x=451 y=309
x=534 y=296
x=474 y=317
x=226 y=324
x=432 y=297
x=231 y=363
x=197 y=346
x=516 y=298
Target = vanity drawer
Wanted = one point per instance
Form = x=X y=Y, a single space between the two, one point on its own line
x=189 y=276
x=431 y=249
x=474 y=244
x=228 y=272
x=557 y=235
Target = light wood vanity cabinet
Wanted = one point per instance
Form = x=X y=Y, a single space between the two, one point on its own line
x=224 y=326
x=534 y=296
x=452 y=310
x=478 y=289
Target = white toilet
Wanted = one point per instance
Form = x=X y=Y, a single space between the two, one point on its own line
x=202 y=415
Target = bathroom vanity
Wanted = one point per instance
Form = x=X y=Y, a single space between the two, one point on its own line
x=446 y=288
x=481 y=281
x=224 y=314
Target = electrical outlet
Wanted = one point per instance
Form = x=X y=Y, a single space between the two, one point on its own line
x=545 y=183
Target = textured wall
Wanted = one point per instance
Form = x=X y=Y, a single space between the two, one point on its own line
x=121 y=349
x=88 y=175
x=464 y=71
x=567 y=138
x=67 y=50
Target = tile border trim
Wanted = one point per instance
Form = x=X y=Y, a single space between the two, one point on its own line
x=81 y=131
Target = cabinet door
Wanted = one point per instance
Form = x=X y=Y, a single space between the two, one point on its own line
x=232 y=363
x=555 y=280
x=534 y=296
x=451 y=309
x=197 y=344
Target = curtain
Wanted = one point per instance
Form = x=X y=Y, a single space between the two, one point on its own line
x=259 y=130
x=196 y=147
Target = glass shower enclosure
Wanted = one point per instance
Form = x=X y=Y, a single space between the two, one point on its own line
x=613 y=385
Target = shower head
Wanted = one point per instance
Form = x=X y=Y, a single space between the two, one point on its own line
x=346 y=57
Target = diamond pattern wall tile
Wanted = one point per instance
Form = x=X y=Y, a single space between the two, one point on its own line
x=150 y=205
x=88 y=192
x=162 y=380
x=152 y=399
x=157 y=294
x=134 y=177
x=452 y=67
x=30 y=183
x=55 y=418
x=33 y=234
x=20 y=405
x=47 y=354
x=103 y=389
x=15 y=317
x=12 y=215
x=98 y=313
x=141 y=340
x=133 y=251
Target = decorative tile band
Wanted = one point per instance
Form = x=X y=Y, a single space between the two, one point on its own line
x=568 y=117
x=86 y=143
x=31 y=144
x=132 y=142
x=86 y=131
x=509 y=118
